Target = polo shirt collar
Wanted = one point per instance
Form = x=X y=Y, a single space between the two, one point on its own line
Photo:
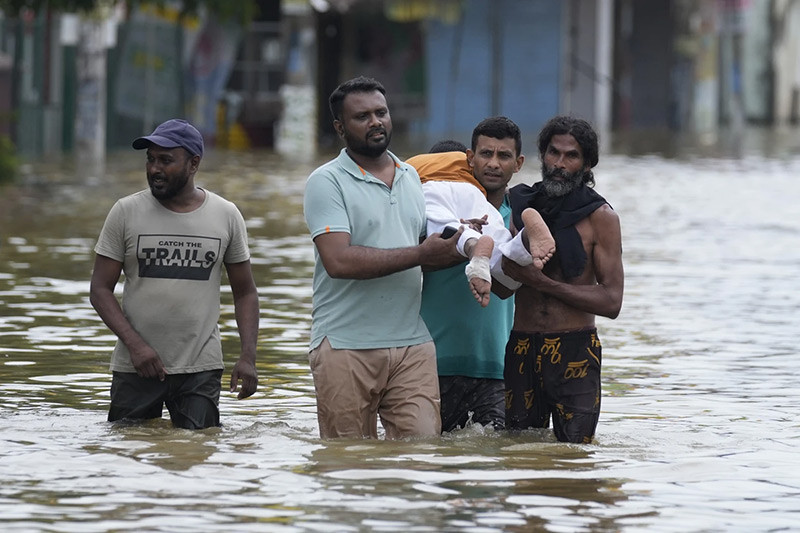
x=352 y=168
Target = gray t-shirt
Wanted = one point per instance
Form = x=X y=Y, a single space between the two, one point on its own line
x=172 y=264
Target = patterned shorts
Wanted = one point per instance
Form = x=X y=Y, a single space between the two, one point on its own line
x=554 y=374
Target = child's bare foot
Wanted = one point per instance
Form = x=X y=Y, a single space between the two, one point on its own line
x=540 y=242
x=481 y=290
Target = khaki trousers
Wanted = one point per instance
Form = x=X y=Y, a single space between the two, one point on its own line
x=355 y=386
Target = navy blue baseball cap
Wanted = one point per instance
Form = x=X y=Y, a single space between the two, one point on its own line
x=172 y=134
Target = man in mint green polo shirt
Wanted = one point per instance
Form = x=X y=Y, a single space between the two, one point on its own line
x=470 y=340
x=370 y=353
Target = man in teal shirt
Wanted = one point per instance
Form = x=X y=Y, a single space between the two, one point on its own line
x=370 y=354
x=470 y=340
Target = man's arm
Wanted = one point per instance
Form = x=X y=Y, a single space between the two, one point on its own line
x=101 y=294
x=346 y=261
x=603 y=298
x=245 y=301
x=500 y=290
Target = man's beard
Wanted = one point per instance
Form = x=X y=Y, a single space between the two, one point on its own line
x=363 y=147
x=569 y=181
x=172 y=189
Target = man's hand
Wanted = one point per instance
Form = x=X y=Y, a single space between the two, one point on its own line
x=527 y=275
x=436 y=252
x=147 y=362
x=144 y=358
x=246 y=371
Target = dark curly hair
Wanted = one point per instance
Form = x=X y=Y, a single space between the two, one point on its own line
x=583 y=133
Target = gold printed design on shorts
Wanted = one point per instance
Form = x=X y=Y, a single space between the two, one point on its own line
x=538 y=367
x=564 y=415
x=595 y=341
x=528 y=398
x=523 y=345
x=552 y=347
x=592 y=354
x=509 y=398
x=576 y=369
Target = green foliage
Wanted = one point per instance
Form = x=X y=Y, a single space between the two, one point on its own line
x=242 y=11
x=8 y=159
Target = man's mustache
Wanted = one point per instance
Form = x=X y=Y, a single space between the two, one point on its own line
x=558 y=173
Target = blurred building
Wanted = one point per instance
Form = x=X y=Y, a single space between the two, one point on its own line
x=626 y=65
x=448 y=64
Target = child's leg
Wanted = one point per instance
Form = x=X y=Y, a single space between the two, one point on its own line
x=540 y=243
x=480 y=279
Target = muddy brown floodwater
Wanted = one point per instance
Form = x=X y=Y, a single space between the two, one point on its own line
x=699 y=429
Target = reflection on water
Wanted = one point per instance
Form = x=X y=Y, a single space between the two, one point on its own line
x=699 y=426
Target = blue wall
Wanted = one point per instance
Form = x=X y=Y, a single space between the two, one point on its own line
x=460 y=67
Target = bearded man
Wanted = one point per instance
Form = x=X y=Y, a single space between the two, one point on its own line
x=172 y=241
x=553 y=356
x=370 y=353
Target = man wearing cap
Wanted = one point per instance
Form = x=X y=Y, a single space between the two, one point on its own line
x=171 y=242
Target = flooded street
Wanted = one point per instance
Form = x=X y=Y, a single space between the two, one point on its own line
x=699 y=427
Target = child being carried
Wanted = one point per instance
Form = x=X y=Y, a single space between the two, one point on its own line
x=452 y=197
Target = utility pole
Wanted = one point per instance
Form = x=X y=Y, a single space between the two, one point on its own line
x=90 y=112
